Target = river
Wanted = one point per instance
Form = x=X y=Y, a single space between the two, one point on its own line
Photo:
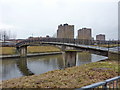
x=13 y=68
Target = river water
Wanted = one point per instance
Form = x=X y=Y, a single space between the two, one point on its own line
x=13 y=68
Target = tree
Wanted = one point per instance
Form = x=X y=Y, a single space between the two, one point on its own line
x=5 y=35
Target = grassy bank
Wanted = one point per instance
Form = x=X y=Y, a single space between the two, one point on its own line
x=38 y=49
x=7 y=50
x=74 y=77
x=106 y=45
x=31 y=49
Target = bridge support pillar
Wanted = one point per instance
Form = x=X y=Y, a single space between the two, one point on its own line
x=23 y=51
x=64 y=48
x=70 y=58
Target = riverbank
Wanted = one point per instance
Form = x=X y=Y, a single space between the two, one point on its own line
x=106 y=45
x=73 y=77
x=10 y=52
x=29 y=55
x=30 y=50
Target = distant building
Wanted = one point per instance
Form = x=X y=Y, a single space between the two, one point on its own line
x=65 y=31
x=85 y=33
x=47 y=36
x=92 y=38
x=100 y=37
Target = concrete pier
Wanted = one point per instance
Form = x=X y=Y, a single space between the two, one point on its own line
x=22 y=65
x=70 y=58
x=23 y=51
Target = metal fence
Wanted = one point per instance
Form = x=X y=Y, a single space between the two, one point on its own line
x=67 y=40
x=113 y=83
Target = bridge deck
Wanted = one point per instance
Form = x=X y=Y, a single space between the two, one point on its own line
x=114 y=50
x=72 y=43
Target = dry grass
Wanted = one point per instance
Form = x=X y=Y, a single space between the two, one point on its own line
x=38 y=49
x=31 y=49
x=7 y=50
x=74 y=77
x=106 y=45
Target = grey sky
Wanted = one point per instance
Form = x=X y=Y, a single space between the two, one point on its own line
x=42 y=17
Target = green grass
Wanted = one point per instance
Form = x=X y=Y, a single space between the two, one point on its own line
x=74 y=77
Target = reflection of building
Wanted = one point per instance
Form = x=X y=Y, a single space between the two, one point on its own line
x=65 y=31
x=84 y=33
x=100 y=37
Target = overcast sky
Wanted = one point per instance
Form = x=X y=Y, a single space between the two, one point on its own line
x=42 y=17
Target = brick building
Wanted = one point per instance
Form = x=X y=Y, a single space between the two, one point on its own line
x=85 y=33
x=65 y=31
x=100 y=37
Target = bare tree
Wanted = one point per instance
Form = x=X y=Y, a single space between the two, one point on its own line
x=5 y=35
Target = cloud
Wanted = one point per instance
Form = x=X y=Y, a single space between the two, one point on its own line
x=41 y=17
x=6 y=27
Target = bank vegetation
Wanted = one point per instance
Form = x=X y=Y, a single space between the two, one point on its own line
x=72 y=77
x=30 y=49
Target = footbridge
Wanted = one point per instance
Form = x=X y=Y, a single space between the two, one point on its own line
x=87 y=45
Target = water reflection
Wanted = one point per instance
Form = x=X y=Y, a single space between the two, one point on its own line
x=13 y=68
x=83 y=58
x=22 y=65
x=44 y=64
x=9 y=69
x=69 y=58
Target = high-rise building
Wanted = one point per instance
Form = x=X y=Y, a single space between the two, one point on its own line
x=65 y=31
x=100 y=37
x=85 y=33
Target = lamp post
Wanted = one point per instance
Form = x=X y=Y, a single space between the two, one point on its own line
x=4 y=38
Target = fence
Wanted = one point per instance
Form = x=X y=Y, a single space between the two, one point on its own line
x=67 y=40
x=113 y=83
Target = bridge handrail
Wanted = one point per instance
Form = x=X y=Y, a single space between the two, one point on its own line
x=103 y=84
x=67 y=40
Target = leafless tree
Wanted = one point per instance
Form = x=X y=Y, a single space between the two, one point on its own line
x=5 y=35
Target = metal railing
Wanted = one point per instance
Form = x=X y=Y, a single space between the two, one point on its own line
x=113 y=83
x=68 y=40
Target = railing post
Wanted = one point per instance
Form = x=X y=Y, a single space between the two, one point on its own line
x=105 y=86
x=108 y=46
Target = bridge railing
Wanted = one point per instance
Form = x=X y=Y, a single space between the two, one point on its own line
x=67 y=40
x=113 y=83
